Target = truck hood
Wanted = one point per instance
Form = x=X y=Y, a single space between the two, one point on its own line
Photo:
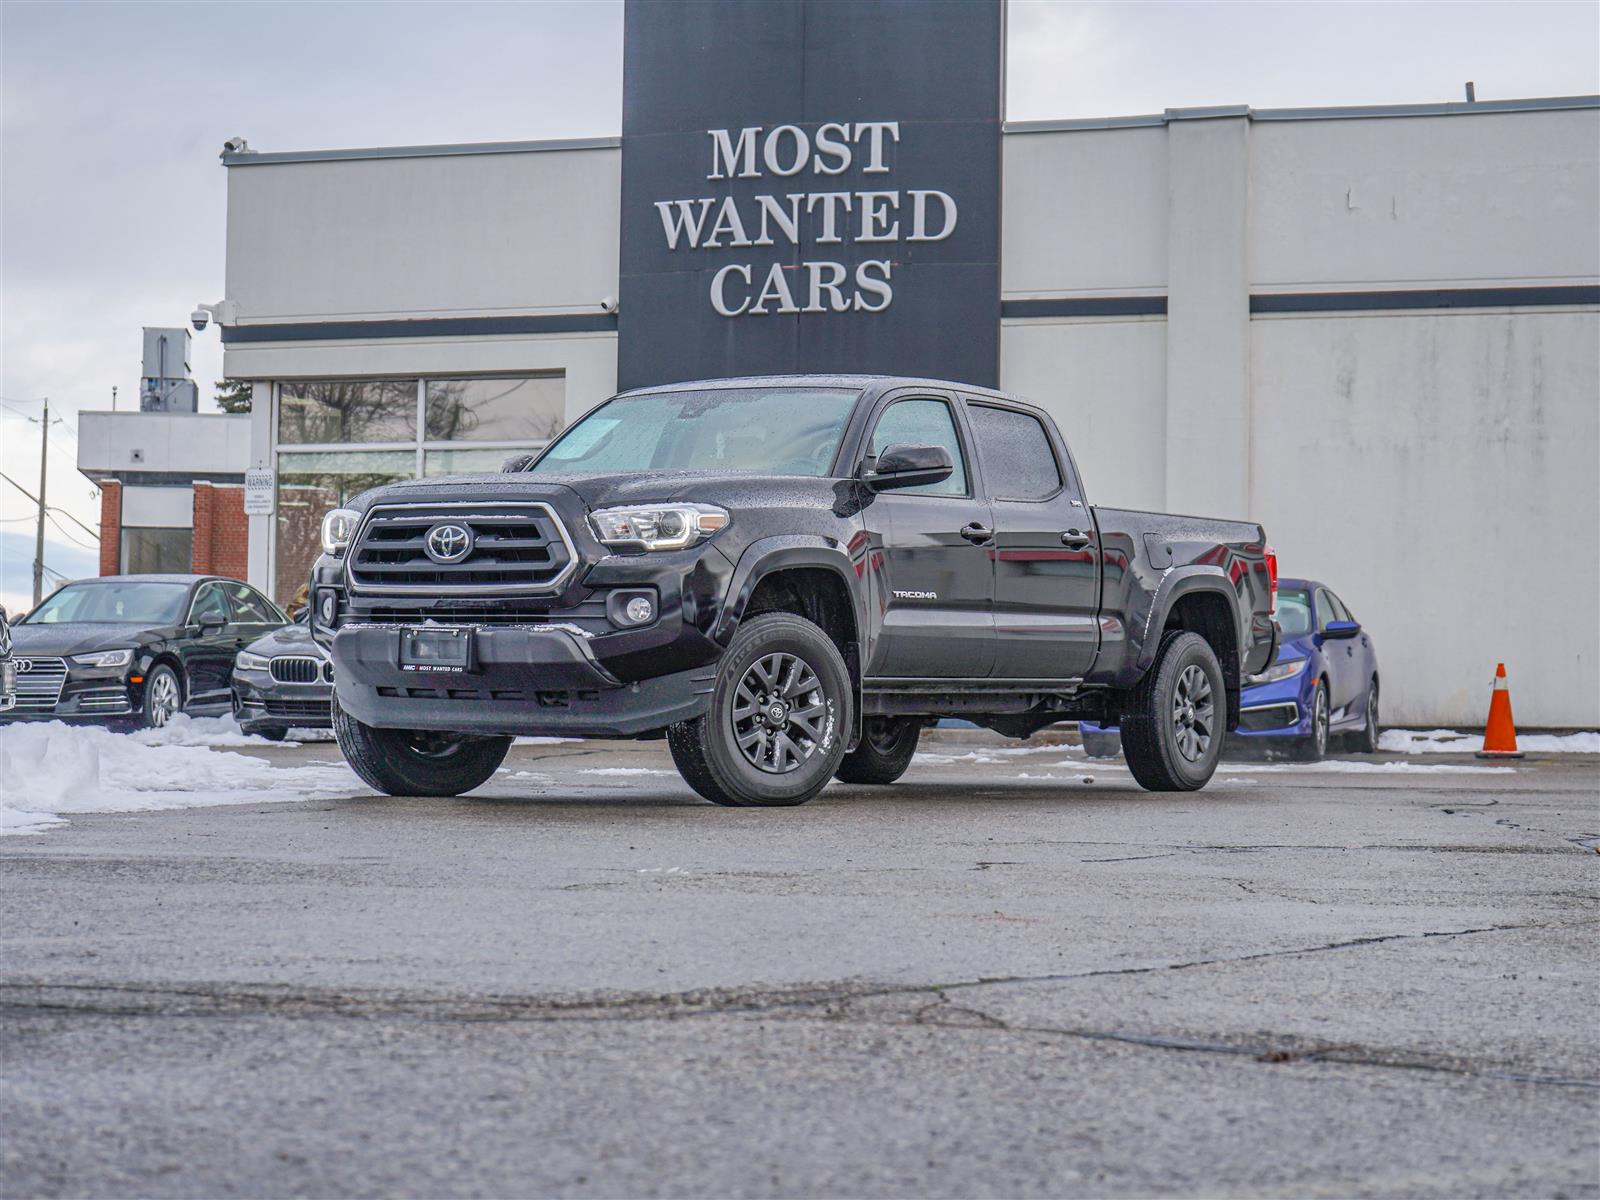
x=79 y=637
x=602 y=490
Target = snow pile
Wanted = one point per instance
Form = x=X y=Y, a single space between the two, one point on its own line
x=184 y=730
x=47 y=770
x=1450 y=741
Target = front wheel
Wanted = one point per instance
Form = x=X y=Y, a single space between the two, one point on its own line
x=887 y=746
x=1173 y=729
x=774 y=734
x=405 y=762
x=163 y=696
x=1105 y=744
x=1314 y=746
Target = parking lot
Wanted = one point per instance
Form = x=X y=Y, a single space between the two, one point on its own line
x=1013 y=973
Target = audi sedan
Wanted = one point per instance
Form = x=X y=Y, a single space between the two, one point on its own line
x=283 y=681
x=135 y=649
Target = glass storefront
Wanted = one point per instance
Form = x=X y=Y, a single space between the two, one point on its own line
x=336 y=438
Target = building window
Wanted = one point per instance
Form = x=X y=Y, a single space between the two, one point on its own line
x=153 y=551
x=336 y=438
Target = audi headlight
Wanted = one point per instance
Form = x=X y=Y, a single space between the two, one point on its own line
x=105 y=658
x=1281 y=670
x=337 y=529
x=245 y=661
x=658 y=526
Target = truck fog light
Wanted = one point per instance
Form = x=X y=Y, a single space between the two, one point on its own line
x=328 y=607
x=640 y=610
x=628 y=608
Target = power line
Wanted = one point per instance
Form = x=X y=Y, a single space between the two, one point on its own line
x=50 y=516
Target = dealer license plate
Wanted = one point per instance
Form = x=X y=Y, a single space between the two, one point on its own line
x=446 y=650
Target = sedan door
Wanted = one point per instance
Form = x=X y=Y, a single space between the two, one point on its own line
x=1348 y=661
x=1047 y=558
x=208 y=646
x=937 y=579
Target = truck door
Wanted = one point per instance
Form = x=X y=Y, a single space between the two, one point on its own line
x=1047 y=559
x=937 y=579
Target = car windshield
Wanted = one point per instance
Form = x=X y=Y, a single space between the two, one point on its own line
x=1293 y=612
x=774 y=431
x=124 y=602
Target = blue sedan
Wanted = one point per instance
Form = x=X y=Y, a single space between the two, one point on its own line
x=1324 y=684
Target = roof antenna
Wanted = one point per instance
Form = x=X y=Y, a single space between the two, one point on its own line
x=1472 y=93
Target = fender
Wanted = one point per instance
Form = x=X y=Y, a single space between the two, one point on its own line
x=781 y=552
x=1175 y=584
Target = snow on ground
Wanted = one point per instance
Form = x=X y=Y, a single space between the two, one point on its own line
x=184 y=730
x=1371 y=768
x=1449 y=741
x=51 y=770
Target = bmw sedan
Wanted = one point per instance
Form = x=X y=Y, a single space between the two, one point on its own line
x=283 y=681
x=135 y=648
x=1323 y=685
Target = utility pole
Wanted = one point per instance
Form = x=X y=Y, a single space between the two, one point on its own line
x=38 y=537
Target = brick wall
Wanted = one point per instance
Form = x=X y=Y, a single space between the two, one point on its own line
x=221 y=531
x=110 y=526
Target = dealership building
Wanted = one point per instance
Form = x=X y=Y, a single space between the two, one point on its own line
x=1375 y=330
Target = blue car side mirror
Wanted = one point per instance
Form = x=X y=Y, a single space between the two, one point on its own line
x=1342 y=629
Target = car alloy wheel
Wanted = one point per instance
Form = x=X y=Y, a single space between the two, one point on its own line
x=164 y=698
x=1193 y=713
x=779 y=712
x=1319 y=722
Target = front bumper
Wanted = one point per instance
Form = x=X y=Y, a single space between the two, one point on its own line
x=71 y=692
x=260 y=702
x=524 y=680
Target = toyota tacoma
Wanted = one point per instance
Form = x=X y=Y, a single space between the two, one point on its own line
x=787 y=578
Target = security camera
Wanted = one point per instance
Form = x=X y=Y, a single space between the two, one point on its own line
x=235 y=145
x=200 y=318
x=608 y=304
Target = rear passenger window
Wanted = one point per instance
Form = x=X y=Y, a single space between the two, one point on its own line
x=1018 y=461
x=923 y=423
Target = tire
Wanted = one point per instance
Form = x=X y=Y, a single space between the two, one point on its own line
x=403 y=762
x=1314 y=746
x=1102 y=745
x=1366 y=741
x=887 y=745
x=273 y=733
x=163 y=696
x=779 y=764
x=1173 y=730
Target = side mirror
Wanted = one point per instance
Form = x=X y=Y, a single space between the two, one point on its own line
x=903 y=466
x=1342 y=629
x=210 y=623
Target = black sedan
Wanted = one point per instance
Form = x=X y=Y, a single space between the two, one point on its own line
x=135 y=648
x=283 y=681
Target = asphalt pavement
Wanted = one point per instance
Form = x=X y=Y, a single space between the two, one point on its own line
x=1011 y=974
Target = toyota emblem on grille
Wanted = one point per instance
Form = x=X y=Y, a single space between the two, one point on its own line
x=448 y=543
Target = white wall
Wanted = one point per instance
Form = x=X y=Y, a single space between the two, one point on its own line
x=448 y=236
x=158 y=507
x=188 y=443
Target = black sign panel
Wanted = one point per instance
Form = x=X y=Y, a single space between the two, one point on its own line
x=810 y=185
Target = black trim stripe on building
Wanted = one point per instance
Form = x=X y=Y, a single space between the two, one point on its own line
x=1489 y=297
x=1299 y=302
x=319 y=331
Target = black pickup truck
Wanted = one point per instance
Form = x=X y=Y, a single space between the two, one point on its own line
x=788 y=578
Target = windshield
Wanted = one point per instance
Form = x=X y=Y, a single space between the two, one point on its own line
x=774 y=431
x=1293 y=612
x=127 y=602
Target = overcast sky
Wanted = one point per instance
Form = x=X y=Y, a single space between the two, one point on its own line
x=112 y=200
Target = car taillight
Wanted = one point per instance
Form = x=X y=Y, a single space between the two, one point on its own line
x=1272 y=576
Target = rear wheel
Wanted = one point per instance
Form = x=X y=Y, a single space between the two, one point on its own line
x=887 y=746
x=1366 y=742
x=405 y=762
x=1172 y=731
x=773 y=735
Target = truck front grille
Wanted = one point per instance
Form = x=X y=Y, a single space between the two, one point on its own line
x=515 y=547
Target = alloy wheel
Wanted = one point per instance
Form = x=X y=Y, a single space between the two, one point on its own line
x=1319 y=721
x=779 y=713
x=1193 y=713
x=163 y=698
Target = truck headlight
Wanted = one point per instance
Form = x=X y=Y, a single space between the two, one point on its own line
x=245 y=661
x=1281 y=670
x=337 y=529
x=105 y=658
x=658 y=526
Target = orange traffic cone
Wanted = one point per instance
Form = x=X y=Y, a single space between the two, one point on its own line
x=1500 y=734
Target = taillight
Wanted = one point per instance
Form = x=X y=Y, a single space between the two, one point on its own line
x=1272 y=576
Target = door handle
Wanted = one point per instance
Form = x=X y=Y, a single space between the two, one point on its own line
x=976 y=534
x=1075 y=539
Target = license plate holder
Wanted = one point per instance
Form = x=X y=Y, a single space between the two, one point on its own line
x=446 y=650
